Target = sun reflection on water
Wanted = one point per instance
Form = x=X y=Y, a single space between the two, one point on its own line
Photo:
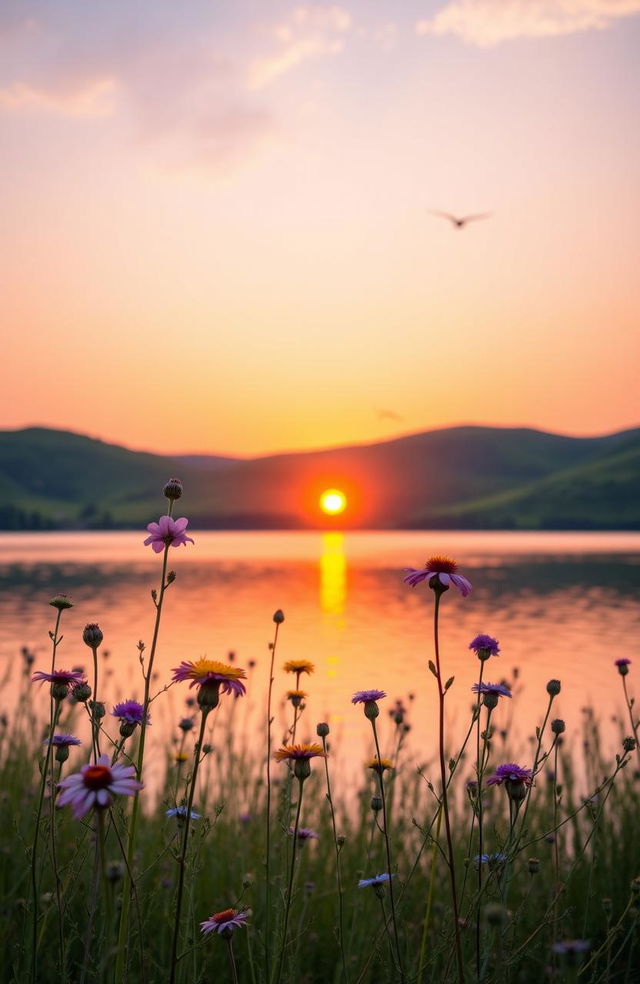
x=333 y=574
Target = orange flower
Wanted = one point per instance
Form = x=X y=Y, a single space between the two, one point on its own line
x=298 y=666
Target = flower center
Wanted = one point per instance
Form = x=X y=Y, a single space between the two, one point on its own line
x=97 y=777
x=441 y=565
x=224 y=916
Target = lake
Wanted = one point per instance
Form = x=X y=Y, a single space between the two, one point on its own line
x=562 y=605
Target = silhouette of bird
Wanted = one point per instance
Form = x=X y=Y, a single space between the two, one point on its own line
x=460 y=221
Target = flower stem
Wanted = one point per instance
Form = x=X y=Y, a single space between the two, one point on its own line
x=183 y=853
x=338 y=871
x=119 y=974
x=232 y=962
x=290 y=887
x=387 y=845
x=443 y=778
x=95 y=720
x=267 y=936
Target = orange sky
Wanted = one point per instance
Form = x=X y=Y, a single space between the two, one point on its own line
x=217 y=233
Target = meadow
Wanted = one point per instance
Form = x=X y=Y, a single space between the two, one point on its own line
x=254 y=861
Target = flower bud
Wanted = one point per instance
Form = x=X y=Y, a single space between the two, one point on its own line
x=628 y=744
x=322 y=730
x=553 y=688
x=490 y=701
x=278 y=616
x=61 y=601
x=207 y=748
x=376 y=804
x=340 y=839
x=62 y=753
x=171 y=576
x=302 y=769
x=126 y=729
x=114 y=871
x=209 y=695
x=534 y=866
x=516 y=790
x=81 y=692
x=173 y=489
x=371 y=710
x=185 y=724
x=98 y=710
x=59 y=690
x=557 y=726
x=92 y=635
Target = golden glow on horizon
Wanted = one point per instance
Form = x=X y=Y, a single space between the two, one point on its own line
x=333 y=502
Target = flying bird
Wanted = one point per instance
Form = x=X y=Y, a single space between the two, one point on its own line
x=460 y=221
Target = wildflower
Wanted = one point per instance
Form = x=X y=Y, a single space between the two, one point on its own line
x=379 y=765
x=439 y=572
x=516 y=780
x=167 y=532
x=92 y=635
x=181 y=813
x=300 y=755
x=369 y=699
x=484 y=646
x=494 y=690
x=571 y=948
x=81 y=692
x=130 y=714
x=224 y=922
x=376 y=880
x=210 y=676
x=179 y=758
x=62 y=741
x=60 y=681
x=173 y=489
x=298 y=666
x=492 y=860
x=61 y=601
x=623 y=665
x=304 y=833
x=96 y=785
x=296 y=696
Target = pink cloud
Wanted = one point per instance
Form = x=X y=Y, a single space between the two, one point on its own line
x=488 y=22
x=310 y=32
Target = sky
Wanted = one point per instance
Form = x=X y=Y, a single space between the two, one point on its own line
x=218 y=223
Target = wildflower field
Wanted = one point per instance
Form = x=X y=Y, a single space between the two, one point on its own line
x=256 y=862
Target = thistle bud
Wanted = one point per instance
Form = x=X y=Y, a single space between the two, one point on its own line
x=61 y=601
x=302 y=769
x=557 y=726
x=628 y=744
x=278 y=616
x=173 y=489
x=340 y=839
x=376 y=804
x=553 y=688
x=92 y=635
x=371 y=710
x=209 y=695
x=81 y=692
x=126 y=729
x=534 y=866
x=322 y=730
x=98 y=710
x=62 y=753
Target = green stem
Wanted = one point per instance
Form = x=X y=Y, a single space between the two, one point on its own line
x=232 y=962
x=183 y=853
x=267 y=935
x=290 y=887
x=95 y=720
x=387 y=845
x=338 y=871
x=119 y=974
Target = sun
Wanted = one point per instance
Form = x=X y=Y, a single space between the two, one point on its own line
x=333 y=502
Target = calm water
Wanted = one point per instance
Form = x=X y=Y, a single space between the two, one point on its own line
x=562 y=605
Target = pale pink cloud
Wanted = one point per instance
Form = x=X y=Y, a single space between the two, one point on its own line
x=310 y=32
x=92 y=98
x=488 y=22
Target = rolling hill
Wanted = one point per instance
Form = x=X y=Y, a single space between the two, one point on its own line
x=459 y=477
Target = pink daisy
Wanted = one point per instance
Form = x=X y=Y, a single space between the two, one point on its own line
x=167 y=532
x=96 y=785
x=229 y=919
x=439 y=570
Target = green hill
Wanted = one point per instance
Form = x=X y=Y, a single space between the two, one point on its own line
x=465 y=477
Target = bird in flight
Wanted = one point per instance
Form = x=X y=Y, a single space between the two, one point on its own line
x=460 y=221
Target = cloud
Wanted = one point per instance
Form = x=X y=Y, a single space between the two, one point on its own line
x=488 y=22
x=181 y=93
x=310 y=32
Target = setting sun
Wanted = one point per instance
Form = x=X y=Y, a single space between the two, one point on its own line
x=333 y=502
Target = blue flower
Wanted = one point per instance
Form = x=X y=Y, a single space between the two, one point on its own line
x=378 y=880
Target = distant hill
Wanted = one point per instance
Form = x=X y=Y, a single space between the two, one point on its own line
x=458 y=477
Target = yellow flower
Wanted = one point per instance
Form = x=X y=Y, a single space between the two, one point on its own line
x=298 y=666
x=296 y=752
x=379 y=765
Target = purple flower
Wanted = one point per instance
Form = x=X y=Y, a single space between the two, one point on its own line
x=485 y=644
x=622 y=662
x=304 y=833
x=62 y=741
x=67 y=677
x=229 y=919
x=439 y=572
x=207 y=672
x=571 y=947
x=364 y=696
x=497 y=689
x=510 y=772
x=376 y=880
x=129 y=711
x=96 y=785
x=167 y=532
x=493 y=860
x=181 y=813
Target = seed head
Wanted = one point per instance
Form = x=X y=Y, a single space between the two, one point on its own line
x=92 y=635
x=173 y=489
x=553 y=688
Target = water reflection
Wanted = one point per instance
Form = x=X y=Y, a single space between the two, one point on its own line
x=333 y=574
